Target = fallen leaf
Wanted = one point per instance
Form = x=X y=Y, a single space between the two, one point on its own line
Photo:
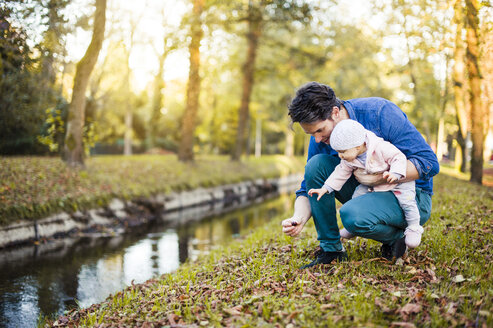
x=432 y=275
x=234 y=311
x=458 y=279
x=172 y=317
x=381 y=305
x=411 y=269
x=293 y=315
x=403 y=324
x=452 y=308
x=327 y=306
x=410 y=308
x=485 y=313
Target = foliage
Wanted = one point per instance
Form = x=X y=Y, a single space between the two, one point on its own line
x=54 y=128
x=422 y=58
x=29 y=78
x=446 y=282
x=34 y=187
x=397 y=49
x=19 y=116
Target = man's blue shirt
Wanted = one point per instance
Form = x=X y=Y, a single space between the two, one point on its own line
x=389 y=122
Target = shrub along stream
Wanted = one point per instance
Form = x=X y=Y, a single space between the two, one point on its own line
x=445 y=282
x=35 y=187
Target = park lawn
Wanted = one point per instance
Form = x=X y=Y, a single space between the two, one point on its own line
x=254 y=281
x=35 y=187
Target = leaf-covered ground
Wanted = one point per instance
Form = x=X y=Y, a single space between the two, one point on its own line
x=33 y=187
x=445 y=282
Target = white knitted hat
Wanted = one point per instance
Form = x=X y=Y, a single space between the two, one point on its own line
x=347 y=134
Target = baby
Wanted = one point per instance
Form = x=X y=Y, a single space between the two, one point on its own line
x=362 y=149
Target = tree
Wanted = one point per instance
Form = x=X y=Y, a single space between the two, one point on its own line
x=486 y=63
x=422 y=27
x=259 y=14
x=20 y=118
x=127 y=137
x=28 y=72
x=474 y=76
x=458 y=80
x=74 y=148
x=170 y=44
x=185 y=153
x=254 y=20
x=52 y=47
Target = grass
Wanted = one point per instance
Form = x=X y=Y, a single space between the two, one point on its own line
x=35 y=187
x=449 y=168
x=446 y=282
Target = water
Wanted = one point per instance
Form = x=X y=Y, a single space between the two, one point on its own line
x=49 y=279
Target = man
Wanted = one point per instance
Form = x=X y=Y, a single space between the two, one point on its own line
x=376 y=215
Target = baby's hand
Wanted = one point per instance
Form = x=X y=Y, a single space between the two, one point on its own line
x=390 y=177
x=320 y=192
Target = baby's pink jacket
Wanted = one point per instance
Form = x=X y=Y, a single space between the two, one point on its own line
x=381 y=156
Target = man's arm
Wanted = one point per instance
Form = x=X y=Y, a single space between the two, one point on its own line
x=378 y=179
x=302 y=213
x=398 y=130
x=411 y=173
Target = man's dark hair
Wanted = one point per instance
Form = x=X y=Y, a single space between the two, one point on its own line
x=313 y=102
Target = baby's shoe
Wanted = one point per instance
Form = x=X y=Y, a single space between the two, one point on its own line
x=413 y=235
x=345 y=234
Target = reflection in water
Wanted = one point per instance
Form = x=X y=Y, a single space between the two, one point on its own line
x=92 y=269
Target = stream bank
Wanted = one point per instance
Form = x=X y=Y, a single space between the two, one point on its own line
x=122 y=216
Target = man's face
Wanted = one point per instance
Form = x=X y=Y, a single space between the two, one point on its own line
x=320 y=130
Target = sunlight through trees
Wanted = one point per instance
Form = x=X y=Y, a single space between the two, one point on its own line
x=199 y=77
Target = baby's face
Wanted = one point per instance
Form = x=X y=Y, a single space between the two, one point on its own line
x=350 y=154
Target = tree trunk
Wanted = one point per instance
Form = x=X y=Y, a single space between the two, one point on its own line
x=418 y=107
x=254 y=32
x=258 y=137
x=306 y=145
x=289 y=149
x=128 y=116
x=52 y=39
x=157 y=101
x=487 y=75
x=461 y=151
x=440 y=138
x=127 y=137
x=74 y=148
x=185 y=153
x=477 y=115
x=444 y=95
x=458 y=75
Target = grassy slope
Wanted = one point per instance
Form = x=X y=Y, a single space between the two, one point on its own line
x=446 y=282
x=33 y=187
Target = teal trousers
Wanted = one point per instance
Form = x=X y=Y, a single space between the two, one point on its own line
x=376 y=215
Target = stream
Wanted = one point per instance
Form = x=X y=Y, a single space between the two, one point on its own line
x=48 y=279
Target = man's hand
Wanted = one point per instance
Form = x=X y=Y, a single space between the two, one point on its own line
x=369 y=179
x=292 y=226
x=320 y=192
x=390 y=177
x=302 y=213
